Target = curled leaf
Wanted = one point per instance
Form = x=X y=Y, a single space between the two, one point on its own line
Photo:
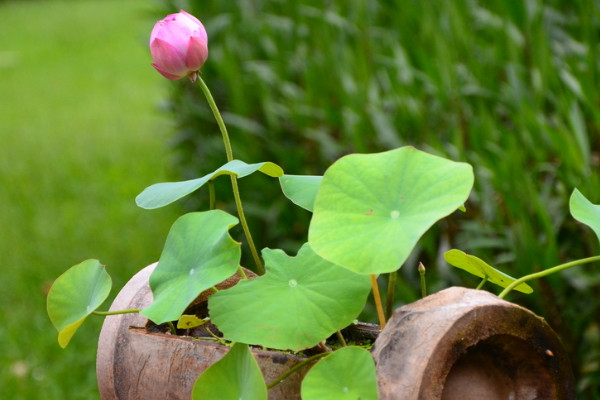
x=162 y=194
x=76 y=294
x=584 y=211
x=478 y=267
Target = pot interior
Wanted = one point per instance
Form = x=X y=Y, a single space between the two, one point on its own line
x=500 y=367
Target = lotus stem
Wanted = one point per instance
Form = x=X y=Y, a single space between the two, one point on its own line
x=390 y=295
x=211 y=195
x=377 y=297
x=423 y=280
x=295 y=368
x=483 y=281
x=548 y=271
x=341 y=338
x=119 y=312
x=236 y=192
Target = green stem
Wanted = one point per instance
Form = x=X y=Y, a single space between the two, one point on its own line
x=241 y=273
x=548 y=271
x=341 y=338
x=423 y=280
x=295 y=368
x=211 y=195
x=377 y=298
x=217 y=114
x=238 y=202
x=483 y=281
x=234 y=185
x=105 y=313
x=391 y=291
x=172 y=328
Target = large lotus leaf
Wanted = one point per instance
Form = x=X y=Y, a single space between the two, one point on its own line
x=234 y=377
x=161 y=194
x=198 y=254
x=371 y=209
x=301 y=189
x=76 y=294
x=584 y=211
x=298 y=302
x=346 y=374
x=478 y=267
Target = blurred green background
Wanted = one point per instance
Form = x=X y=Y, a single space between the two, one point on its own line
x=511 y=87
x=80 y=137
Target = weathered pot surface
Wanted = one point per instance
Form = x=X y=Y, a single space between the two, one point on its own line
x=456 y=344
x=468 y=344
x=133 y=364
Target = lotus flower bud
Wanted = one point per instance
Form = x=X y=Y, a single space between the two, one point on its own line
x=179 y=46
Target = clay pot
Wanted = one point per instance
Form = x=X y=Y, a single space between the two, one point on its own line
x=456 y=344
x=468 y=344
x=132 y=364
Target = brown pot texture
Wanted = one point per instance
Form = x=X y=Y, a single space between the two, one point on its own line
x=456 y=344
x=132 y=364
x=467 y=344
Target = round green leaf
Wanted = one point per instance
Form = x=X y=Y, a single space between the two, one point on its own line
x=584 y=211
x=162 y=194
x=371 y=209
x=198 y=254
x=478 y=267
x=234 y=377
x=301 y=189
x=298 y=302
x=76 y=294
x=348 y=373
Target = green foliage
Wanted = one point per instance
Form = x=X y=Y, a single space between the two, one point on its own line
x=584 y=211
x=162 y=194
x=198 y=254
x=348 y=373
x=235 y=377
x=78 y=101
x=301 y=189
x=371 y=209
x=75 y=295
x=478 y=267
x=297 y=303
x=510 y=87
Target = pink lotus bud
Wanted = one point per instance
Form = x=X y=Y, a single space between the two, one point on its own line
x=179 y=46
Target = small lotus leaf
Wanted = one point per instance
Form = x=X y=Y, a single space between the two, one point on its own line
x=371 y=209
x=234 y=377
x=76 y=294
x=198 y=254
x=189 y=322
x=478 y=267
x=162 y=194
x=346 y=374
x=584 y=211
x=298 y=302
x=301 y=189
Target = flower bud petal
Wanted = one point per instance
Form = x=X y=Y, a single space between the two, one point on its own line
x=168 y=58
x=166 y=74
x=179 y=45
x=197 y=53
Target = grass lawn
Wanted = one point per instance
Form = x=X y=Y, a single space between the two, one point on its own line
x=80 y=136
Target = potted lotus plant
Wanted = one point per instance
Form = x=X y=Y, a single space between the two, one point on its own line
x=199 y=324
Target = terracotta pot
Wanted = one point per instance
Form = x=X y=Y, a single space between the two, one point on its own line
x=456 y=344
x=132 y=364
x=468 y=344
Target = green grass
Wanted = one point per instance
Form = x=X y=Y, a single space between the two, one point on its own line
x=511 y=87
x=80 y=136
